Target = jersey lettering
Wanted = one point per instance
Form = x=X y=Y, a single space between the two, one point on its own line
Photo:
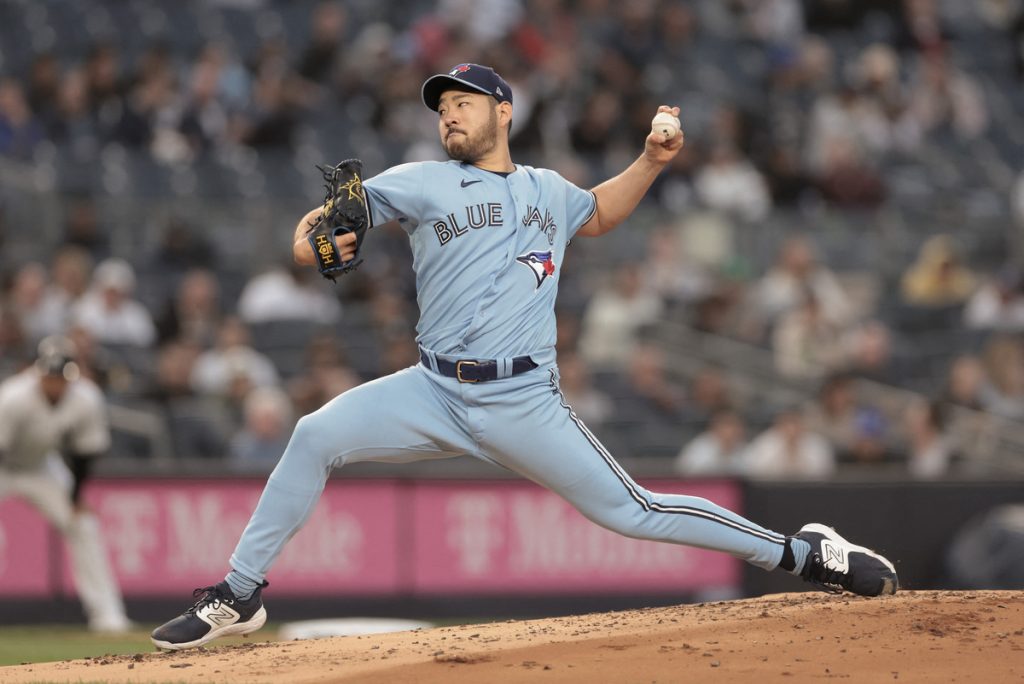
x=482 y=215
x=443 y=234
x=545 y=223
x=475 y=214
x=456 y=228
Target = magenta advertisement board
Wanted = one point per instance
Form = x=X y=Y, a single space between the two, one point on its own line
x=520 y=538
x=367 y=537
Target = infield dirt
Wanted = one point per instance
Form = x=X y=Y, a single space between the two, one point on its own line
x=921 y=636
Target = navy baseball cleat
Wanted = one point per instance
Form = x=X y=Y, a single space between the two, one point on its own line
x=217 y=613
x=835 y=564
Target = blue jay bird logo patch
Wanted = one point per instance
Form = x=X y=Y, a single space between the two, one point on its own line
x=541 y=263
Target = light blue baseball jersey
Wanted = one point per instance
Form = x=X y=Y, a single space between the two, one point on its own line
x=487 y=251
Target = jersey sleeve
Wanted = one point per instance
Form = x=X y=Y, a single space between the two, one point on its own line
x=91 y=432
x=396 y=195
x=580 y=207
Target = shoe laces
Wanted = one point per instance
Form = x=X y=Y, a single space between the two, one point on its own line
x=820 y=575
x=213 y=596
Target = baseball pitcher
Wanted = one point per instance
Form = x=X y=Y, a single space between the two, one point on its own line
x=489 y=239
x=53 y=426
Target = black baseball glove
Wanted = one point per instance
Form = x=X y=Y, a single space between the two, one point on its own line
x=344 y=212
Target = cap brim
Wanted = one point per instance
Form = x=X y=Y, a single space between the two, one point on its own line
x=434 y=86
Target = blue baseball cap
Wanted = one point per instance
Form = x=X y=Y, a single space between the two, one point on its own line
x=472 y=78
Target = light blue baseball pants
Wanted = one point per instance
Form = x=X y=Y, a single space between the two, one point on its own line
x=521 y=423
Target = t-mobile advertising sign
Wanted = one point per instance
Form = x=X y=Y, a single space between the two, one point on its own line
x=367 y=537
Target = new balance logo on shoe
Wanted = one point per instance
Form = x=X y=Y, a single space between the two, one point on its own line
x=833 y=555
x=219 y=617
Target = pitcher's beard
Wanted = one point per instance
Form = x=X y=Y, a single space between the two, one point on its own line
x=471 y=149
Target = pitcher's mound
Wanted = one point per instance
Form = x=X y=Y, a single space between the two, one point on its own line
x=913 y=636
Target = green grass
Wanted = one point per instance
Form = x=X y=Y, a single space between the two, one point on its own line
x=40 y=644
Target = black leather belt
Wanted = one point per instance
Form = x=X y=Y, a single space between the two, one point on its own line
x=476 y=370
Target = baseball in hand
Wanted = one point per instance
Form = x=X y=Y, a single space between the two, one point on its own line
x=665 y=124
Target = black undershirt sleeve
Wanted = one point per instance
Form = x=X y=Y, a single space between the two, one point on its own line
x=80 y=466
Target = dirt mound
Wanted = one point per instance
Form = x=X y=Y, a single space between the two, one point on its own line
x=913 y=636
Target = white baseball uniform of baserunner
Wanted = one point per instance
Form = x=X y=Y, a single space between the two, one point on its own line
x=488 y=250
x=31 y=432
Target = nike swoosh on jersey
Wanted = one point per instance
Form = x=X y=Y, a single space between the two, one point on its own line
x=466 y=183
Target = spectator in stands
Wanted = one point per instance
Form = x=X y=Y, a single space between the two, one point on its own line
x=719 y=450
x=109 y=313
x=20 y=132
x=173 y=377
x=104 y=82
x=796 y=272
x=43 y=86
x=595 y=129
x=95 y=362
x=878 y=79
x=671 y=273
x=929 y=449
x=937 y=278
x=265 y=433
x=789 y=450
x=720 y=312
x=868 y=354
x=788 y=182
x=847 y=180
x=75 y=126
x=965 y=384
x=26 y=298
x=806 y=344
x=287 y=294
x=998 y=304
x=181 y=248
x=731 y=184
x=833 y=414
x=232 y=368
x=845 y=123
x=855 y=432
x=592 y=405
x=214 y=85
x=650 y=403
x=147 y=109
x=309 y=391
x=70 y=273
x=920 y=27
x=199 y=426
x=1003 y=395
x=707 y=394
x=272 y=113
x=777 y=23
x=614 y=316
x=943 y=97
x=327 y=26
x=82 y=227
x=194 y=312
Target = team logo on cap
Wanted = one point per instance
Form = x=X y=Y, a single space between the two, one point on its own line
x=461 y=69
x=541 y=263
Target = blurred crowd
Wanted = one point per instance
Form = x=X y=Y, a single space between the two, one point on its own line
x=788 y=105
